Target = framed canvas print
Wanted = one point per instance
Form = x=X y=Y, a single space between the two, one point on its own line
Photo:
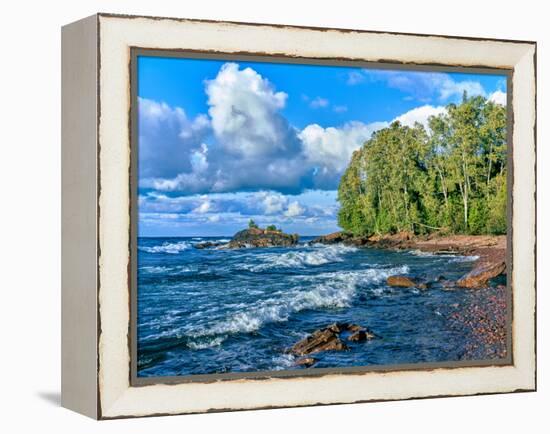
x=261 y=216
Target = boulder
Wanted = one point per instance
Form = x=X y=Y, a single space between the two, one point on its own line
x=306 y=362
x=329 y=338
x=405 y=282
x=361 y=335
x=481 y=274
x=256 y=237
x=320 y=340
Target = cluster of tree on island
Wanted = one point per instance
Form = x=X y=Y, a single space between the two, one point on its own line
x=272 y=228
x=449 y=177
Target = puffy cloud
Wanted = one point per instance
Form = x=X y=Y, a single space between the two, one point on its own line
x=273 y=203
x=329 y=149
x=294 y=209
x=244 y=108
x=166 y=136
x=204 y=207
x=498 y=97
x=420 y=115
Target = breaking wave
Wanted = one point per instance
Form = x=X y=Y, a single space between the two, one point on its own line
x=318 y=254
x=452 y=257
x=172 y=248
x=326 y=290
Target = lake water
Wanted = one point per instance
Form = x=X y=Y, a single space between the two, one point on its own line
x=215 y=311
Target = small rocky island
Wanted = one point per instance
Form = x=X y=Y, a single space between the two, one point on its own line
x=254 y=236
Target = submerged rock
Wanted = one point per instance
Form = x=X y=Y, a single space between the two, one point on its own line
x=306 y=361
x=320 y=340
x=256 y=237
x=480 y=275
x=361 y=335
x=329 y=339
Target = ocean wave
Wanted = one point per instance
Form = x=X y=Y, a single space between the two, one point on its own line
x=283 y=362
x=319 y=254
x=465 y=258
x=209 y=343
x=171 y=271
x=172 y=248
x=326 y=291
x=453 y=257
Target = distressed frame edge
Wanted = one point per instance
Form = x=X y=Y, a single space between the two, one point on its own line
x=529 y=388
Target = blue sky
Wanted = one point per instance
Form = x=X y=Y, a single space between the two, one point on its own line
x=221 y=142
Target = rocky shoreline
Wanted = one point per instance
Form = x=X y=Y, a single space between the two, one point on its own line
x=489 y=249
x=483 y=316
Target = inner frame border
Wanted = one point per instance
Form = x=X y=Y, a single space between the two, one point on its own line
x=136 y=52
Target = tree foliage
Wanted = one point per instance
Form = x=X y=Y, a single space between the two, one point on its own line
x=450 y=177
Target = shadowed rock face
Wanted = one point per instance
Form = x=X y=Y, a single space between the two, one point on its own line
x=256 y=237
x=480 y=275
x=329 y=339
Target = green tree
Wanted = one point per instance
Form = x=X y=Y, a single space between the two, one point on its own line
x=449 y=178
x=252 y=224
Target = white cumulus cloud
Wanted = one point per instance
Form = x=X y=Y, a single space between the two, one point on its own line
x=294 y=209
x=420 y=115
x=244 y=108
x=331 y=148
x=498 y=97
x=166 y=135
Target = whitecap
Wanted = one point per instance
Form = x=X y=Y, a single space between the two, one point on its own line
x=331 y=290
x=318 y=254
x=283 y=361
x=465 y=258
x=201 y=345
x=172 y=248
x=155 y=270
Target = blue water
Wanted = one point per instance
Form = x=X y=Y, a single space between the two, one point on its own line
x=215 y=311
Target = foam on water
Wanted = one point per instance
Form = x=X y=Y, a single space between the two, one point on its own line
x=450 y=256
x=172 y=248
x=318 y=254
x=209 y=343
x=325 y=290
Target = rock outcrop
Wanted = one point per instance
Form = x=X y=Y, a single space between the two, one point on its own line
x=481 y=274
x=208 y=245
x=329 y=339
x=405 y=282
x=256 y=237
x=333 y=238
x=361 y=336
